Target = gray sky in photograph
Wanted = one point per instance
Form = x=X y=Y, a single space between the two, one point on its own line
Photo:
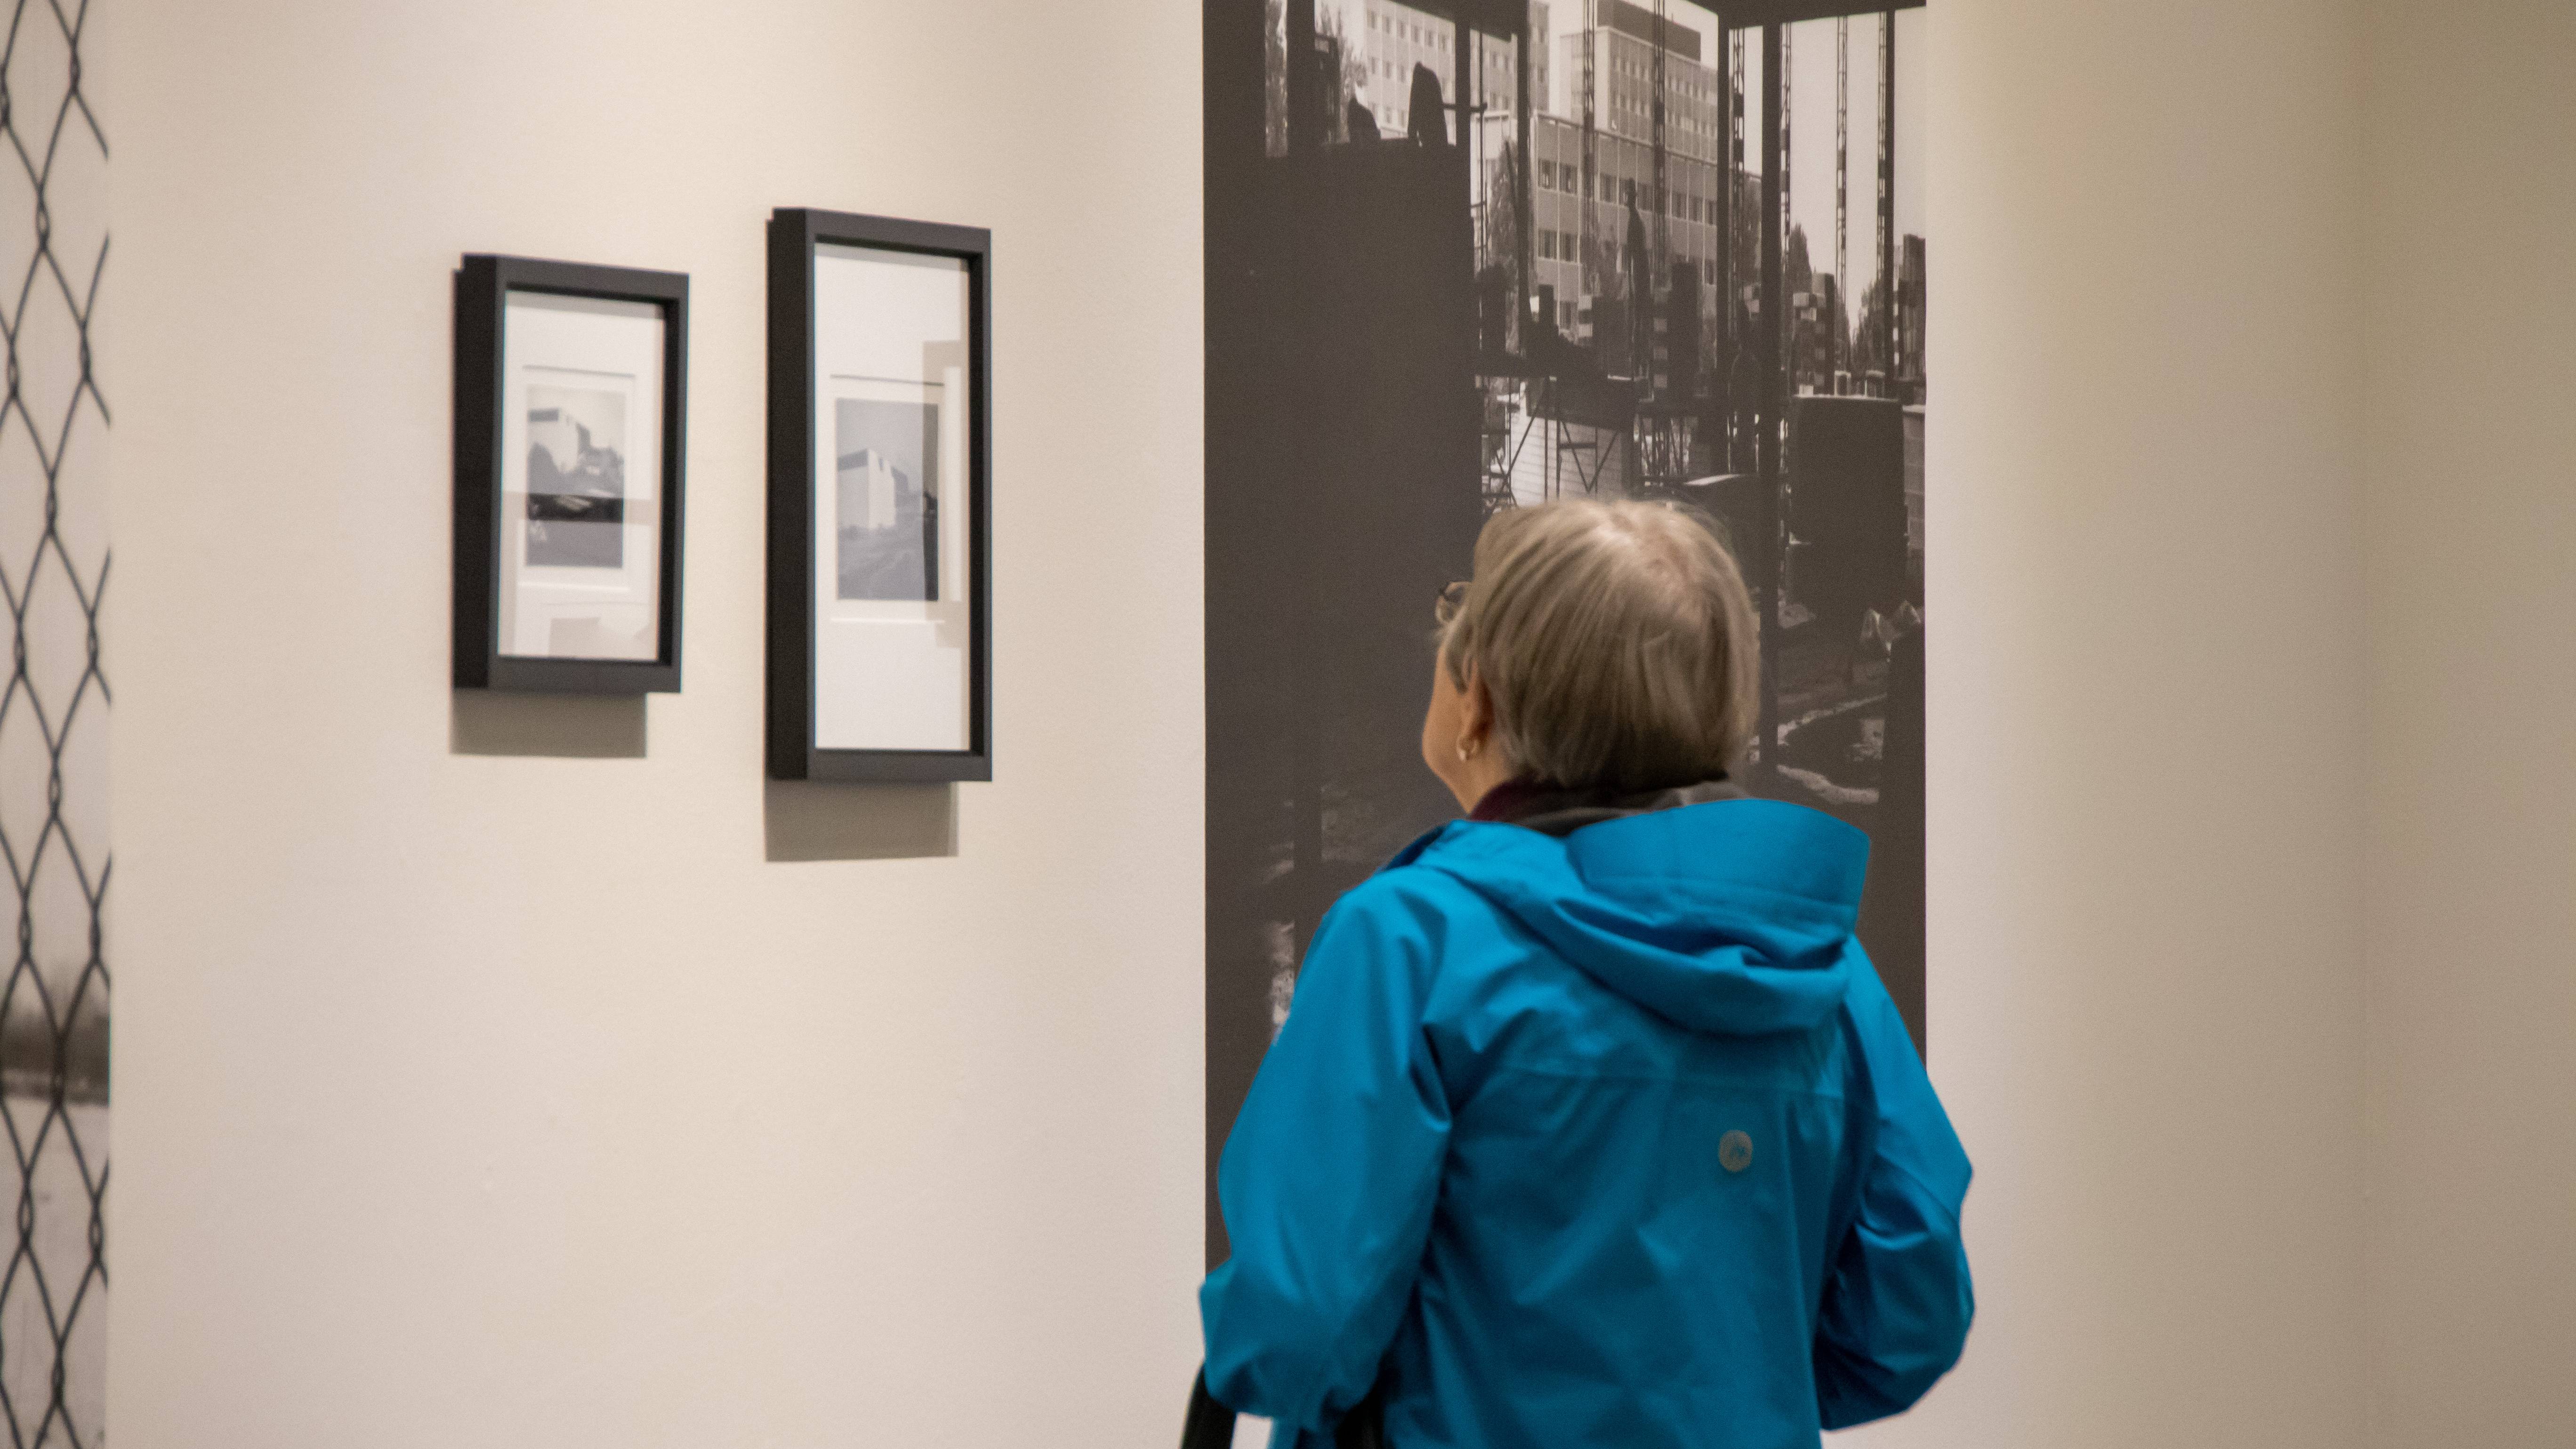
x=1811 y=138
x=1811 y=122
x=1811 y=118
x=598 y=409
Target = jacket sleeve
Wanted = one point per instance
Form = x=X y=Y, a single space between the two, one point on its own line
x=1897 y=1299
x=1330 y=1175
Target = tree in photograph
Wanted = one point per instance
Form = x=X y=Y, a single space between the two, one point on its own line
x=1346 y=64
x=1274 y=71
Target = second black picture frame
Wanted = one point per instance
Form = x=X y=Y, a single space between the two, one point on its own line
x=880 y=462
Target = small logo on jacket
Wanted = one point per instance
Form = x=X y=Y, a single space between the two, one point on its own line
x=1735 y=1151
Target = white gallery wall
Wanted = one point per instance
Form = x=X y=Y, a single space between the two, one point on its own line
x=2146 y=750
x=485 y=1080
x=2253 y=745
x=2470 y=489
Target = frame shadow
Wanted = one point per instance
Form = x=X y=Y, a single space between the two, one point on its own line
x=807 y=820
x=547 y=726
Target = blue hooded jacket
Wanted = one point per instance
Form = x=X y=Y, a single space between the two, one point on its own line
x=1608 y=1139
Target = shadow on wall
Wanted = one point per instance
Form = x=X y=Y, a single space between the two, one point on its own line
x=811 y=820
x=553 y=726
x=800 y=819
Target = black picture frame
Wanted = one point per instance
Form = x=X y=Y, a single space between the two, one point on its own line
x=484 y=283
x=794 y=235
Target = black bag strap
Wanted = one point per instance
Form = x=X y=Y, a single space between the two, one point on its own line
x=1210 y=1425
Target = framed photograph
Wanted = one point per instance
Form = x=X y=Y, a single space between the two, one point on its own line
x=880 y=427
x=571 y=388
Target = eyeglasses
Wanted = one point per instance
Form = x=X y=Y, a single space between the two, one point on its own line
x=1453 y=597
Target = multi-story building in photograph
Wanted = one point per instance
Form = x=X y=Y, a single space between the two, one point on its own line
x=1623 y=172
x=869 y=486
x=1623 y=46
x=1392 y=39
x=1623 y=41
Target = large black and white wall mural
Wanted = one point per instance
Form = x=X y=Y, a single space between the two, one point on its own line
x=53 y=735
x=1474 y=255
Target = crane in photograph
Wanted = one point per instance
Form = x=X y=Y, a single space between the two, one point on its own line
x=1591 y=246
x=1885 y=343
x=1661 y=442
x=1662 y=238
x=1779 y=220
x=1788 y=114
x=1730 y=174
x=1835 y=361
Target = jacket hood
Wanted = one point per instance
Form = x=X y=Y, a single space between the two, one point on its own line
x=1731 y=918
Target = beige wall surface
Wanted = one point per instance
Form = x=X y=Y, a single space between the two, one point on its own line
x=2145 y=744
x=470 y=1094
x=2470 y=487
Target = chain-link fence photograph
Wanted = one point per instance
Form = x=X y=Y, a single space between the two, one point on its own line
x=53 y=735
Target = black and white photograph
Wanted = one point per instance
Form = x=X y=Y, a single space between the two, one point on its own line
x=880 y=419
x=1473 y=256
x=571 y=387
x=576 y=477
x=58 y=747
x=887 y=476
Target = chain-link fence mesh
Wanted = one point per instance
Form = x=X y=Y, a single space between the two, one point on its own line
x=53 y=734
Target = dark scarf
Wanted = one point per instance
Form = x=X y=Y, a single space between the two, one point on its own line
x=1560 y=811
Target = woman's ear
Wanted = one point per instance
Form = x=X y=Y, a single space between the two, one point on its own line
x=1475 y=715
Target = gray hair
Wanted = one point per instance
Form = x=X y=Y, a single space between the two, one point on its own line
x=1616 y=640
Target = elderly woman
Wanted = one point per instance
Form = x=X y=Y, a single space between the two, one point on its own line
x=1590 y=1124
